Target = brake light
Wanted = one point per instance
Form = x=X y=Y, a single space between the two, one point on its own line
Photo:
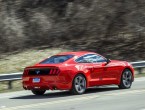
x=54 y=72
x=25 y=73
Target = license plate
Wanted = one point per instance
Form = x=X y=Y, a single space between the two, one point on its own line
x=36 y=80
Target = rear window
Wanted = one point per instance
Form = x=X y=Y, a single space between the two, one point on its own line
x=57 y=59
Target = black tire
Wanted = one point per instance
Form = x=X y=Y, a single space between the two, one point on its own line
x=38 y=92
x=78 y=85
x=126 y=79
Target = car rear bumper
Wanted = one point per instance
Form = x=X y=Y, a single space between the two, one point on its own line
x=46 y=83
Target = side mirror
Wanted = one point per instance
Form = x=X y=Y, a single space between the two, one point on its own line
x=108 y=60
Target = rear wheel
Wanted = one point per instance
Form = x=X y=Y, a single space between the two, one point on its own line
x=38 y=92
x=126 y=79
x=79 y=85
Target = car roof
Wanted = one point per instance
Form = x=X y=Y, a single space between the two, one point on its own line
x=78 y=53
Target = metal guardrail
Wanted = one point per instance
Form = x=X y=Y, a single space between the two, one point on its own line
x=138 y=66
x=10 y=78
x=18 y=76
x=13 y=76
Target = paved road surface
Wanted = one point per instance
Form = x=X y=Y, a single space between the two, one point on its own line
x=99 y=98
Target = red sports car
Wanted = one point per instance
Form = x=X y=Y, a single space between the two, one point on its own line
x=76 y=71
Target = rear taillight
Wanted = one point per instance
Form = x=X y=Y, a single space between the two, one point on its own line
x=25 y=73
x=41 y=71
x=54 y=72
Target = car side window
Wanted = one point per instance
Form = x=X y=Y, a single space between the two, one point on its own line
x=100 y=58
x=90 y=58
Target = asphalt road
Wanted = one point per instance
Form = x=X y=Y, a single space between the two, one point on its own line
x=98 y=98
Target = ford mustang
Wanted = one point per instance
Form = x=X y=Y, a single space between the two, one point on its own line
x=76 y=71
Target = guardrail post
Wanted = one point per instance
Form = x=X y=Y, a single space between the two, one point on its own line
x=9 y=84
x=139 y=70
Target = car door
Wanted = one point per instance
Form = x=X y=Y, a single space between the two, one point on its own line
x=97 y=74
x=95 y=68
x=98 y=64
x=110 y=73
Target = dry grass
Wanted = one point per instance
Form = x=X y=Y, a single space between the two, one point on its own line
x=17 y=62
x=16 y=86
x=140 y=75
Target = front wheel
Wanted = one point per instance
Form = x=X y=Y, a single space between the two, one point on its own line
x=38 y=92
x=79 y=85
x=126 y=79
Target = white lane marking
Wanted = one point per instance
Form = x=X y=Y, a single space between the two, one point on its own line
x=139 y=80
x=52 y=102
x=72 y=100
x=126 y=92
x=2 y=106
x=21 y=94
x=14 y=94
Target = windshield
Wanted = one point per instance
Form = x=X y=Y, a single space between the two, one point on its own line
x=57 y=59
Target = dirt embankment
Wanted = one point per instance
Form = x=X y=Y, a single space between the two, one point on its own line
x=114 y=28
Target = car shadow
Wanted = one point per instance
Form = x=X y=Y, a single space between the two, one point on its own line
x=67 y=93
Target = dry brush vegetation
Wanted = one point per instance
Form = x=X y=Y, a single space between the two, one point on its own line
x=114 y=28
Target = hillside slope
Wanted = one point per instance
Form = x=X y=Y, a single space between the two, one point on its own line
x=114 y=28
